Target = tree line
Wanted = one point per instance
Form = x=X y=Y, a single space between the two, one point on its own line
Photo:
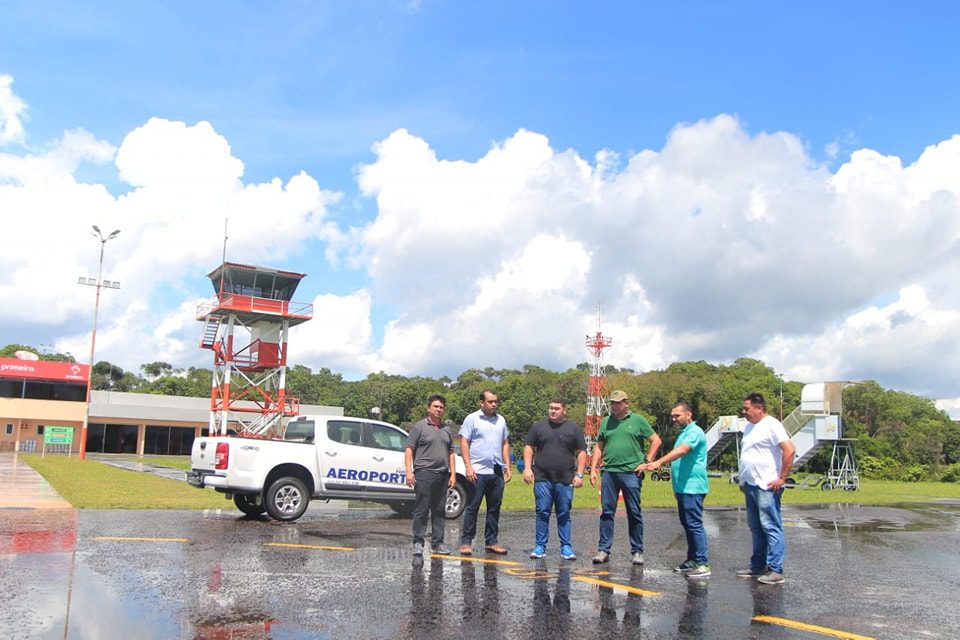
x=898 y=435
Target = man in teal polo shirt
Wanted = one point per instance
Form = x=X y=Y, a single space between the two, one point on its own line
x=620 y=446
x=688 y=470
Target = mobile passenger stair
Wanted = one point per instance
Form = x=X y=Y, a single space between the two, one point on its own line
x=816 y=423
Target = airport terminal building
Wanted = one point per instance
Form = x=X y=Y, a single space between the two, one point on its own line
x=38 y=394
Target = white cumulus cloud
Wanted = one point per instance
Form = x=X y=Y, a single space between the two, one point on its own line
x=12 y=112
x=720 y=244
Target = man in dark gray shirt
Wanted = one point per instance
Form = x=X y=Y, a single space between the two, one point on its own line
x=430 y=471
x=558 y=469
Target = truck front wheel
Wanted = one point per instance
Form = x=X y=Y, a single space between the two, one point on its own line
x=287 y=499
x=248 y=504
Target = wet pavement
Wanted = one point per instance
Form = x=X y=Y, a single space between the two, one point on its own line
x=882 y=572
x=23 y=488
x=137 y=465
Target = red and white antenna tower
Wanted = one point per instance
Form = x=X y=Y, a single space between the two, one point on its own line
x=246 y=326
x=598 y=404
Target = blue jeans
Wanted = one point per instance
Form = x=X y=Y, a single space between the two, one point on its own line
x=611 y=485
x=690 y=510
x=766 y=526
x=489 y=487
x=549 y=495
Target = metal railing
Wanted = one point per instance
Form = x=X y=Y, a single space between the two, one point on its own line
x=253 y=304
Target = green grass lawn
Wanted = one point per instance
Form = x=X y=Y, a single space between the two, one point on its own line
x=93 y=485
x=722 y=493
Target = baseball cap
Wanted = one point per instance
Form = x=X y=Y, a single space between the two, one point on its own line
x=618 y=396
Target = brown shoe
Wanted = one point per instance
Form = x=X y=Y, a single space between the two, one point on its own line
x=466 y=550
x=499 y=549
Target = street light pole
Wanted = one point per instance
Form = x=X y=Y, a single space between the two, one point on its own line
x=781 y=397
x=93 y=336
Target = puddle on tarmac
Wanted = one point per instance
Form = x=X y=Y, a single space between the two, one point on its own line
x=874 y=525
x=910 y=517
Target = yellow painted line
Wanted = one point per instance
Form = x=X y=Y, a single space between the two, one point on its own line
x=307 y=546
x=802 y=626
x=614 y=585
x=119 y=539
x=508 y=563
x=532 y=574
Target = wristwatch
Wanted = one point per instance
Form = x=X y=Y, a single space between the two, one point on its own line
x=579 y=475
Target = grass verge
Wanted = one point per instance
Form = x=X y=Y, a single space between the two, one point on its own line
x=722 y=493
x=94 y=485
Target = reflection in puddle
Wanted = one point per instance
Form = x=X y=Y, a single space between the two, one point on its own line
x=233 y=624
x=872 y=526
x=38 y=532
x=879 y=519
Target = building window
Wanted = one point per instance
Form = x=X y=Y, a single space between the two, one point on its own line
x=39 y=429
x=9 y=428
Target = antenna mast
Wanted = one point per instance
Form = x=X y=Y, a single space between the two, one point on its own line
x=598 y=392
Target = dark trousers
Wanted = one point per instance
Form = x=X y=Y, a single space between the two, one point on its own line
x=431 y=492
x=491 y=488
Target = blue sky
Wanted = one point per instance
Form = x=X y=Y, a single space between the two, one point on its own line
x=735 y=102
x=309 y=85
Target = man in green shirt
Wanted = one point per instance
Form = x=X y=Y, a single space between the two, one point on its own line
x=688 y=470
x=620 y=446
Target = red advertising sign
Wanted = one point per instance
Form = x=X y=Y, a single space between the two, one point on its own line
x=43 y=370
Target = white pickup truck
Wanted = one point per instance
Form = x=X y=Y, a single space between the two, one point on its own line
x=321 y=457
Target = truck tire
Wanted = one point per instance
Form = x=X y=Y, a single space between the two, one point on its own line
x=456 y=501
x=287 y=499
x=247 y=503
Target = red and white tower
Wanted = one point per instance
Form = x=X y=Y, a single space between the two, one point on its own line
x=246 y=326
x=598 y=404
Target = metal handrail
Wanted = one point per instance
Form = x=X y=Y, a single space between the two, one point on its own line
x=253 y=304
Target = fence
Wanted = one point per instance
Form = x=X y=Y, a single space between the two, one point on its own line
x=33 y=446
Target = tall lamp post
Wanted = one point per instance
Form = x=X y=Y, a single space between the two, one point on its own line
x=781 y=397
x=98 y=283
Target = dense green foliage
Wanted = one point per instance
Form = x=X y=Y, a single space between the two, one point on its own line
x=43 y=354
x=899 y=436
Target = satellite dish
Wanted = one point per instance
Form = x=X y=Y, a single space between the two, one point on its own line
x=25 y=355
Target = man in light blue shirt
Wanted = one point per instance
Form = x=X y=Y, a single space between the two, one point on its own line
x=485 y=448
x=688 y=471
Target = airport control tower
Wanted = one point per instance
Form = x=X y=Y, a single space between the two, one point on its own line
x=246 y=326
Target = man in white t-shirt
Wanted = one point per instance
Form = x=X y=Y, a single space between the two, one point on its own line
x=766 y=457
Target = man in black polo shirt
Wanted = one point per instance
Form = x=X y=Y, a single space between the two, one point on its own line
x=558 y=468
x=430 y=470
